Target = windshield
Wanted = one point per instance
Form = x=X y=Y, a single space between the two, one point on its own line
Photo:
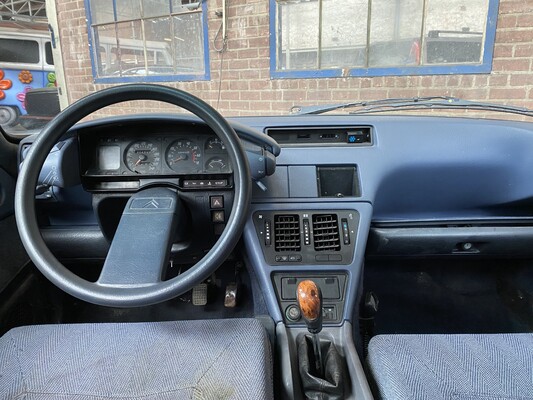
x=269 y=57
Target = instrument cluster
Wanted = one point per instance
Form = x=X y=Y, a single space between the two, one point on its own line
x=181 y=154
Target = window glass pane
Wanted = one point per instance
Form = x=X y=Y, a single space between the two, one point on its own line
x=48 y=53
x=454 y=31
x=188 y=43
x=185 y=5
x=131 y=47
x=106 y=55
x=19 y=51
x=147 y=40
x=395 y=29
x=102 y=11
x=344 y=27
x=158 y=35
x=298 y=23
x=128 y=9
x=156 y=8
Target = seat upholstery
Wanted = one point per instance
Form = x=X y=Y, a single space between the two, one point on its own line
x=458 y=367
x=213 y=359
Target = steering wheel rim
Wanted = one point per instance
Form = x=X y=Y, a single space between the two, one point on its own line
x=115 y=296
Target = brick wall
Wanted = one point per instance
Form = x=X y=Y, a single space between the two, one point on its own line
x=246 y=87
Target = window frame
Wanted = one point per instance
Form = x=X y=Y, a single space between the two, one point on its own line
x=483 y=68
x=149 y=78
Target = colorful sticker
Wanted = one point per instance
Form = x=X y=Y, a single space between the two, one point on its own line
x=25 y=76
x=22 y=96
x=5 y=84
x=52 y=81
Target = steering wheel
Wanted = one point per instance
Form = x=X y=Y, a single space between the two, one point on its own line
x=133 y=269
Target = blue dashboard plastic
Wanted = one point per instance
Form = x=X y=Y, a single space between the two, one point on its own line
x=428 y=168
x=418 y=168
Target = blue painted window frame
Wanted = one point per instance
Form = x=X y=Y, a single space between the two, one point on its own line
x=483 y=68
x=149 y=78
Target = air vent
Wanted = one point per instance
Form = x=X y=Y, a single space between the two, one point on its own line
x=287 y=232
x=326 y=232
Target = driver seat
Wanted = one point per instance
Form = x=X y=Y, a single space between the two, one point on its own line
x=210 y=359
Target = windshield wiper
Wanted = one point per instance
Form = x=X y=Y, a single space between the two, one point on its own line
x=430 y=102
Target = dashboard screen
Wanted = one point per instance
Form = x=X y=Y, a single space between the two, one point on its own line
x=108 y=158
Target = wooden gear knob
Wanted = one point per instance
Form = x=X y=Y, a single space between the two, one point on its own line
x=309 y=298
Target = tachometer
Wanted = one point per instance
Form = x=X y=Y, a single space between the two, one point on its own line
x=184 y=156
x=143 y=157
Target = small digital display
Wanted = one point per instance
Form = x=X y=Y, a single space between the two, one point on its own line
x=108 y=158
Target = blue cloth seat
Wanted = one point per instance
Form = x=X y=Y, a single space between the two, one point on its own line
x=213 y=359
x=458 y=367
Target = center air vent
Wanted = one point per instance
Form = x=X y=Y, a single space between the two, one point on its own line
x=326 y=232
x=287 y=232
x=307 y=237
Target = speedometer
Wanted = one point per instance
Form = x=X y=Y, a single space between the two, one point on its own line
x=143 y=157
x=184 y=156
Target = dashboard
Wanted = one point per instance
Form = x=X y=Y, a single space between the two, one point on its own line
x=412 y=171
x=340 y=188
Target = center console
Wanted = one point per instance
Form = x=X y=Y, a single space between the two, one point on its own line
x=323 y=241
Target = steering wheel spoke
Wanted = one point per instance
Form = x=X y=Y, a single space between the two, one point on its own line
x=141 y=245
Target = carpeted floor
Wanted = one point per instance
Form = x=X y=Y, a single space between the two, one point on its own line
x=451 y=296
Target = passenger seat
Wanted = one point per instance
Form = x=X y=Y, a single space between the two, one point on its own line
x=457 y=367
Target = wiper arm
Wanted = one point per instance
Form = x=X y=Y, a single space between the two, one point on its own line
x=320 y=109
x=435 y=102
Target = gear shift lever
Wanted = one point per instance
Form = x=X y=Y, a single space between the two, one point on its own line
x=310 y=301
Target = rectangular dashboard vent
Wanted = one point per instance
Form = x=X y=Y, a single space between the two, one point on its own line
x=319 y=136
x=326 y=232
x=287 y=232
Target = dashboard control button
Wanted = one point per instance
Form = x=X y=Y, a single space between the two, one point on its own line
x=190 y=183
x=217 y=216
x=335 y=257
x=329 y=313
x=268 y=233
x=282 y=258
x=307 y=233
x=218 y=229
x=202 y=184
x=321 y=257
x=295 y=258
x=216 y=201
x=345 y=231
